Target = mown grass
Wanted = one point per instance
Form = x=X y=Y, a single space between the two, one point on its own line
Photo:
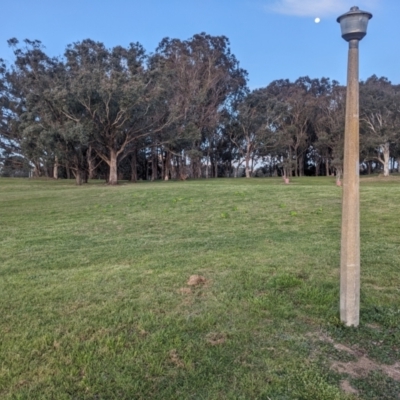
x=92 y=305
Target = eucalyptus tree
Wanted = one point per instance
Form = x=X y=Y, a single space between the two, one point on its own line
x=3 y=104
x=117 y=94
x=293 y=126
x=380 y=111
x=328 y=126
x=46 y=136
x=254 y=126
x=204 y=76
x=130 y=105
x=26 y=83
x=7 y=145
x=12 y=106
x=301 y=99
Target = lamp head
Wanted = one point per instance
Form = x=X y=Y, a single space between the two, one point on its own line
x=354 y=24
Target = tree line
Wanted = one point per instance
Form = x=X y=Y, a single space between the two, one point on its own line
x=183 y=111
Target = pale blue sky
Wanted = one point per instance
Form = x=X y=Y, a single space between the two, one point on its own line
x=272 y=39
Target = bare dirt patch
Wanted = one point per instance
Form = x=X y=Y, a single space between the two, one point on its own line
x=215 y=338
x=195 y=280
x=363 y=365
x=323 y=337
x=175 y=359
x=347 y=388
x=392 y=370
x=357 y=369
x=342 y=347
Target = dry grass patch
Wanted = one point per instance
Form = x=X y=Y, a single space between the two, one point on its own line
x=184 y=290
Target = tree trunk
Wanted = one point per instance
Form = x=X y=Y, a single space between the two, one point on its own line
x=326 y=167
x=317 y=165
x=90 y=163
x=192 y=167
x=199 y=170
x=36 y=169
x=338 y=176
x=167 y=165
x=134 y=167
x=55 y=168
x=183 y=169
x=154 y=163
x=301 y=165
x=67 y=171
x=177 y=168
x=162 y=159
x=252 y=166
x=247 y=166
x=296 y=163
x=386 y=158
x=247 y=161
x=146 y=166
x=288 y=169
x=78 y=176
x=113 y=177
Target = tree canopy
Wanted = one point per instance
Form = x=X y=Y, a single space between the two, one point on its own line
x=183 y=111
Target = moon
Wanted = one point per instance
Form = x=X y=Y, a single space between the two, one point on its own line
x=317 y=20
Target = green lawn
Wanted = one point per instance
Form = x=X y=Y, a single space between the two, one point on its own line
x=95 y=303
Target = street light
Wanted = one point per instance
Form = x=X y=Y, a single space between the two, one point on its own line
x=354 y=27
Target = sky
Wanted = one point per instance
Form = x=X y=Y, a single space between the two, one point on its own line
x=272 y=39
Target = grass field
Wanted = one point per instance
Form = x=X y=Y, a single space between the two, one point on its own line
x=95 y=303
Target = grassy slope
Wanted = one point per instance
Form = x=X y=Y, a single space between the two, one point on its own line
x=91 y=305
